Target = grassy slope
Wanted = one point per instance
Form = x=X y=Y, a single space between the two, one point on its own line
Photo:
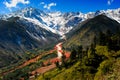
x=108 y=69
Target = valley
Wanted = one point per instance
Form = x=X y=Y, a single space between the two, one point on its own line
x=40 y=45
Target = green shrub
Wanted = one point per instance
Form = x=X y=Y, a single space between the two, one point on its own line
x=104 y=68
x=102 y=51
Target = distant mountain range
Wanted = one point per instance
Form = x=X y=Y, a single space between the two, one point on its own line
x=57 y=22
x=32 y=28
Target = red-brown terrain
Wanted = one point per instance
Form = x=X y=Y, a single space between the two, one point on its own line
x=44 y=69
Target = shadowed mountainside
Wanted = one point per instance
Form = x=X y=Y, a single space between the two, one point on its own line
x=16 y=38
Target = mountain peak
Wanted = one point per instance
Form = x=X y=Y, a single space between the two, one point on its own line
x=29 y=11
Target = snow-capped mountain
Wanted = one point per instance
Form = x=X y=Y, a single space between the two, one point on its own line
x=57 y=22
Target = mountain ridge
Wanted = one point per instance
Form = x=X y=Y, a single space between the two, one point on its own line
x=58 y=22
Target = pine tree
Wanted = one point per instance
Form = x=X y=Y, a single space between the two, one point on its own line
x=73 y=54
x=102 y=39
x=80 y=52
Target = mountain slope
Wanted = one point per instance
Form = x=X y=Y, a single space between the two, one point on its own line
x=16 y=38
x=86 y=31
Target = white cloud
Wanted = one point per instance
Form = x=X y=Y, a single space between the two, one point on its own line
x=48 y=6
x=42 y=3
x=110 y=2
x=13 y=3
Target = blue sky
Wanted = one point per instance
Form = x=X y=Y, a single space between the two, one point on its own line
x=84 y=6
